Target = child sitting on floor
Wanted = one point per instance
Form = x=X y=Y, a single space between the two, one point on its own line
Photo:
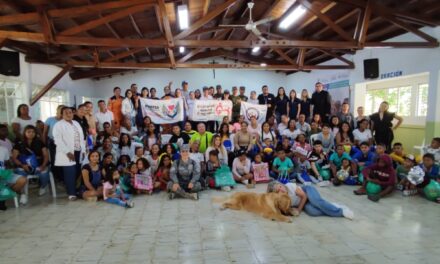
x=260 y=169
x=144 y=171
x=345 y=174
x=282 y=167
x=123 y=162
x=379 y=150
x=319 y=163
x=398 y=155
x=302 y=168
x=112 y=191
x=127 y=179
x=286 y=146
x=381 y=173
x=162 y=175
x=211 y=166
x=434 y=149
x=138 y=153
x=336 y=162
x=431 y=169
x=268 y=150
x=402 y=172
x=300 y=142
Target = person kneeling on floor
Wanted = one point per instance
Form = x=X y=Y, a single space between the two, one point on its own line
x=185 y=175
x=380 y=173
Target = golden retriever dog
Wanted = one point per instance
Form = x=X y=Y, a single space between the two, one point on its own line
x=274 y=206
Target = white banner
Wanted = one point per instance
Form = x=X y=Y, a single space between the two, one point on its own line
x=248 y=110
x=163 y=111
x=211 y=110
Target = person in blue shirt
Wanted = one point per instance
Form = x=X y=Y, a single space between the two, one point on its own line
x=365 y=157
x=336 y=160
x=432 y=170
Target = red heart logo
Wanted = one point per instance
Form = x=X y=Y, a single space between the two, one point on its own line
x=171 y=107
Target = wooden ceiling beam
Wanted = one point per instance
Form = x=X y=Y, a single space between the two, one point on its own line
x=49 y=86
x=206 y=5
x=410 y=28
x=103 y=20
x=96 y=8
x=365 y=23
x=337 y=21
x=200 y=23
x=194 y=52
x=3 y=41
x=336 y=56
x=19 y=19
x=138 y=31
x=45 y=25
x=168 y=34
x=285 y=56
x=301 y=57
x=326 y=8
x=402 y=44
x=327 y=20
x=124 y=54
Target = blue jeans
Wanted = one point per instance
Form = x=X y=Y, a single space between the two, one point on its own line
x=42 y=175
x=119 y=201
x=70 y=174
x=317 y=206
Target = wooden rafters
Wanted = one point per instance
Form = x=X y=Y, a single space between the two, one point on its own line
x=3 y=42
x=301 y=58
x=103 y=20
x=124 y=54
x=138 y=31
x=200 y=23
x=334 y=55
x=285 y=56
x=410 y=28
x=45 y=25
x=49 y=86
x=168 y=33
x=326 y=8
x=327 y=20
x=364 y=26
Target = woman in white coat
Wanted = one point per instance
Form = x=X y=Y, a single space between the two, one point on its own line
x=128 y=109
x=70 y=149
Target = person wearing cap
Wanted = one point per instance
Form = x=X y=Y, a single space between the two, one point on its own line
x=241 y=169
x=185 y=175
x=203 y=136
x=219 y=93
x=235 y=103
x=307 y=198
x=226 y=95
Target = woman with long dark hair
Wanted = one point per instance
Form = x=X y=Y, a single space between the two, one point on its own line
x=294 y=106
x=145 y=93
x=281 y=102
x=22 y=120
x=382 y=125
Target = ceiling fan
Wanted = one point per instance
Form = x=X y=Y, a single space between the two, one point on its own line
x=251 y=25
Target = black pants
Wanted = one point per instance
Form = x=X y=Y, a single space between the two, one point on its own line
x=56 y=171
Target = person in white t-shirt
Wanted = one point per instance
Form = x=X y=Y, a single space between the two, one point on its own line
x=22 y=120
x=103 y=115
x=4 y=141
x=291 y=132
x=362 y=133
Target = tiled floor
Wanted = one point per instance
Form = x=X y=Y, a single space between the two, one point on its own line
x=395 y=230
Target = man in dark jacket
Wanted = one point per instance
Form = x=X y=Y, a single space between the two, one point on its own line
x=321 y=101
x=268 y=99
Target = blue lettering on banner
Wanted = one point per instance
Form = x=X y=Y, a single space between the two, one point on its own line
x=391 y=74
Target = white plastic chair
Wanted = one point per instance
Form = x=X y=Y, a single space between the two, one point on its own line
x=420 y=148
x=52 y=184
x=16 y=201
x=313 y=138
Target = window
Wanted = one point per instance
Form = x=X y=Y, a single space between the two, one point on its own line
x=11 y=96
x=408 y=97
x=47 y=105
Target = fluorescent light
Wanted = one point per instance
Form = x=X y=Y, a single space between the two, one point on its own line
x=256 y=49
x=182 y=12
x=292 y=17
x=181 y=49
x=263 y=64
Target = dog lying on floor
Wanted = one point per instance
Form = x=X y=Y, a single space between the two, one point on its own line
x=274 y=206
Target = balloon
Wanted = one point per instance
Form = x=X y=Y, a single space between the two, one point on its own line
x=373 y=188
x=416 y=175
x=342 y=175
x=432 y=190
x=325 y=174
x=268 y=150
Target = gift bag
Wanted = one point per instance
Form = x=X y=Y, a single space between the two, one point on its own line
x=6 y=193
x=261 y=172
x=223 y=177
x=143 y=182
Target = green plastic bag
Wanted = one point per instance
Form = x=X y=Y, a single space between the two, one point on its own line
x=373 y=188
x=223 y=177
x=5 y=176
x=6 y=193
x=325 y=174
x=432 y=190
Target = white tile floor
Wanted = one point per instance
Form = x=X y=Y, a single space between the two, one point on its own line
x=395 y=230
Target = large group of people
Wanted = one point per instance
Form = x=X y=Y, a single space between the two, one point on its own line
x=116 y=152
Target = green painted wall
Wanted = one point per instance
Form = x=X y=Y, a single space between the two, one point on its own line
x=410 y=136
x=432 y=130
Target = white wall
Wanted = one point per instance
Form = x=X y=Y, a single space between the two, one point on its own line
x=197 y=78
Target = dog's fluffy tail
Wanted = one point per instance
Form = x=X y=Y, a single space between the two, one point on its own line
x=219 y=199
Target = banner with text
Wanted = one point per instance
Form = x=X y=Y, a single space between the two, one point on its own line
x=211 y=110
x=163 y=111
x=249 y=110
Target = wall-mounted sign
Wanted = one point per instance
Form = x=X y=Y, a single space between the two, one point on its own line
x=391 y=74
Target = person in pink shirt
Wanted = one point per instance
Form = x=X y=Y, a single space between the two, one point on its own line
x=113 y=193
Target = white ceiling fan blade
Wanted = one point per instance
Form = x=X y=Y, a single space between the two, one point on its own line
x=263 y=21
x=232 y=25
x=257 y=33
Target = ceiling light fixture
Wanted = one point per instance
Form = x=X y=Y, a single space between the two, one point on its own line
x=181 y=49
x=256 y=49
x=182 y=12
x=263 y=64
x=292 y=17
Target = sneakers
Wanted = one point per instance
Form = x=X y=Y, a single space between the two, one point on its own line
x=171 y=195
x=323 y=184
x=23 y=199
x=226 y=188
x=374 y=198
x=195 y=196
x=399 y=187
x=129 y=204
x=409 y=192
x=42 y=191
x=72 y=198
x=347 y=213
x=245 y=182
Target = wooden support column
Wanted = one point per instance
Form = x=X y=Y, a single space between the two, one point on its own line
x=49 y=86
